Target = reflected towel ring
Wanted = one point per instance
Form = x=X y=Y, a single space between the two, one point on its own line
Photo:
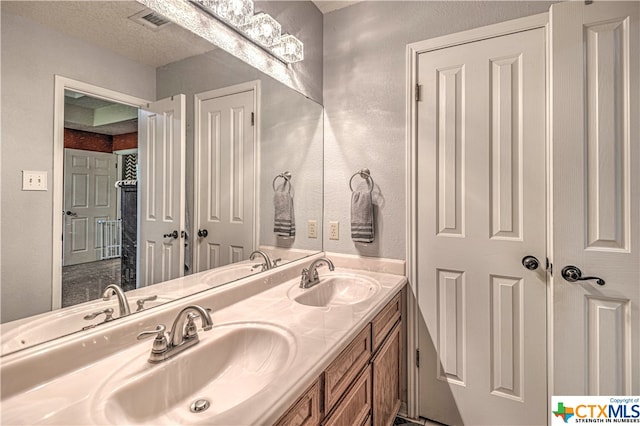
x=284 y=175
x=364 y=174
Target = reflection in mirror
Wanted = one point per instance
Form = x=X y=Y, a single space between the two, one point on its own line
x=99 y=197
x=96 y=43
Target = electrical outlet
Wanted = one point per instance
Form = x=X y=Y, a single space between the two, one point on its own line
x=312 y=229
x=334 y=230
x=34 y=181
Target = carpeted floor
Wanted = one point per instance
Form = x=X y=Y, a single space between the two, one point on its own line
x=86 y=281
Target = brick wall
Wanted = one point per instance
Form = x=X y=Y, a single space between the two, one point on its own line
x=78 y=139
x=126 y=141
x=88 y=141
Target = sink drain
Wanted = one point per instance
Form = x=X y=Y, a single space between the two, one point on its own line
x=199 y=405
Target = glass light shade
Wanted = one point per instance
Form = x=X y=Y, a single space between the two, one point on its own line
x=236 y=12
x=263 y=29
x=290 y=49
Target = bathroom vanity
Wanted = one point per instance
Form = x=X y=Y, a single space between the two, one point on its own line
x=362 y=384
x=276 y=354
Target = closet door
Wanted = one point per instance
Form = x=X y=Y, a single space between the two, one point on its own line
x=596 y=197
x=225 y=193
x=481 y=211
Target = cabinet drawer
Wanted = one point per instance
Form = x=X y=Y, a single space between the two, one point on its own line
x=355 y=408
x=385 y=320
x=341 y=372
x=305 y=411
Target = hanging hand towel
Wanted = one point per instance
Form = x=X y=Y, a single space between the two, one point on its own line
x=284 y=223
x=362 y=217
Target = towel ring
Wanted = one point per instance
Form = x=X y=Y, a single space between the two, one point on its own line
x=364 y=174
x=284 y=175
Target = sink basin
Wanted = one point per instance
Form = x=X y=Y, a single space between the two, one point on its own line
x=336 y=290
x=50 y=326
x=64 y=321
x=231 y=365
x=225 y=274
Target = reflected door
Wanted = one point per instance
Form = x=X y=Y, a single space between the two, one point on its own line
x=481 y=210
x=596 y=196
x=225 y=174
x=89 y=198
x=161 y=154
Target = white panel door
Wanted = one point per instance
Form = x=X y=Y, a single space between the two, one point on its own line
x=596 y=197
x=89 y=197
x=225 y=175
x=161 y=157
x=481 y=210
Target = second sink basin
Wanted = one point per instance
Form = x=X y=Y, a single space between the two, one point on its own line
x=336 y=290
x=225 y=274
x=230 y=365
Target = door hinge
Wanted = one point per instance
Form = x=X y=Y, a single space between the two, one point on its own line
x=418 y=90
x=418 y=358
x=549 y=267
x=253 y=118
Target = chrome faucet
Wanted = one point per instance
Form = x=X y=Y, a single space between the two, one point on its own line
x=267 y=262
x=183 y=334
x=123 y=303
x=310 y=276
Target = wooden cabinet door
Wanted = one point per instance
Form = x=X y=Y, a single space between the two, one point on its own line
x=355 y=408
x=386 y=380
x=305 y=411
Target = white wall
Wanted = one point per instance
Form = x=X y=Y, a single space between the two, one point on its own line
x=31 y=56
x=364 y=99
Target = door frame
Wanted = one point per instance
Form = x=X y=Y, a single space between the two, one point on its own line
x=198 y=98
x=411 y=95
x=60 y=85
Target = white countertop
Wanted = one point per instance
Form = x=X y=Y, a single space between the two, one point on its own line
x=320 y=334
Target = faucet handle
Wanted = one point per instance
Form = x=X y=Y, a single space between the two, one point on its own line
x=191 y=330
x=159 y=332
x=275 y=262
x=160 y=342
x=304 y=279
x=107 y=312
x=141 y=302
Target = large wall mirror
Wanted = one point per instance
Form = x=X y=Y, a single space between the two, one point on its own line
x=91 y=93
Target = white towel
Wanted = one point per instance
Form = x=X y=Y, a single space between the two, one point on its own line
x=362 y=217
x=284 y=222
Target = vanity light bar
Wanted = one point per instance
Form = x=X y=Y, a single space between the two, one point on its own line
x=260 y=28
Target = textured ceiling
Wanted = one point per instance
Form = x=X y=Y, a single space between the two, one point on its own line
x=107 y=24
x=120 y=126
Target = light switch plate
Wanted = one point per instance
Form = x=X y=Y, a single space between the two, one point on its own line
x=312 y=229
x=34 y=180
x=334 y=230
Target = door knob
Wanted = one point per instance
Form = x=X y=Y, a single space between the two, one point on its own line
x=70 y=213
x=202 y=233
x=573 y=273
x=173 y=235
x=530 y=262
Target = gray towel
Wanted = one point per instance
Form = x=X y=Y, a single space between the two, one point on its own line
x=362 y=217
x=284 y=222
